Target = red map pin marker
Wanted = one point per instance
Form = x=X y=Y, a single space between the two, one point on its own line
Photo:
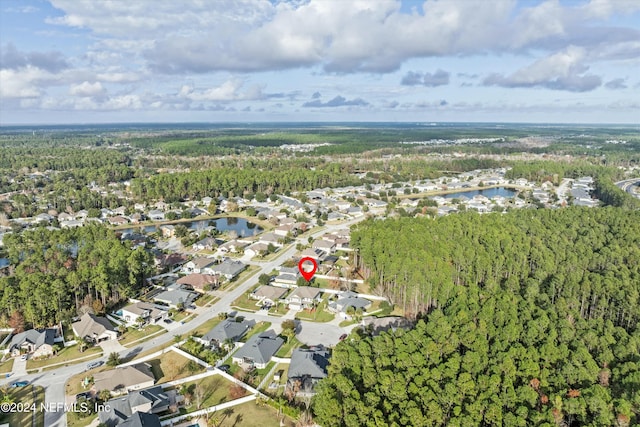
x=307 y=274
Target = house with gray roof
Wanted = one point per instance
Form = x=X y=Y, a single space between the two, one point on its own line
x=348 y=300
x=36 y=342
x=307 y=367
x=141 y=419
x=228 y=268
x=176 y=297
x=258 y=350
x=198 y=265
x=228 y=329
x=94 y=328
x=150 y=401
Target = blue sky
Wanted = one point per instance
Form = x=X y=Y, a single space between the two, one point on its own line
x=87 y=61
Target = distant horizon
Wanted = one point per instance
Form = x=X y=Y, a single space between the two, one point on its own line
x=313 y=123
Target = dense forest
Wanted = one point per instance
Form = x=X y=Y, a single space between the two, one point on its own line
x=529 y=318
x=59 y=271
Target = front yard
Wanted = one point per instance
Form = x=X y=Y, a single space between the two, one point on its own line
x=243 y=302
x=200 y=394
x=316 y=315
x=66 y=354
x=139 y=334
x=26 y=397
x=6 y=366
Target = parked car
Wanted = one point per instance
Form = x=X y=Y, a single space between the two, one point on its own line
x=83 y=395
x=343 y=337
x=24 y=357
x=224 y=368
x=95 y=364
x=19 y=383
x=167 y=321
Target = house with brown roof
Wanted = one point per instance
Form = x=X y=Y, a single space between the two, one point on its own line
x=268 y=294
x=200 y=282
x=94 y=328
x=304 y=297
x=124 y=379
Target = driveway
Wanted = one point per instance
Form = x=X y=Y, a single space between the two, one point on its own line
x=19 y=366
x=111 y=346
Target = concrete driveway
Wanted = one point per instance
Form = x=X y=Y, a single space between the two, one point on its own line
x=111 y=346
x=19 y=366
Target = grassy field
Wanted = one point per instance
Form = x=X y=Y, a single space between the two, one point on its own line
x=250 y=414
x=172 y=366
x=139 y=334
x=183 y=316
x=6 y=366
x=25 y=396
x=65 y=355
x=75 y=420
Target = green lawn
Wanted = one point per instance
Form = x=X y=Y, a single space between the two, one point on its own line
x=182 y=315
x=206 y=327
x=250 y=414
x=204 y=299
x=26 y=396
x=287 y=348
x=6 y=366
x=260 y=327
x=65 y=355
x=75 y=420
x=172 y=366
x=139 y=334
x=319 y=315
x=215 y=391
x=243 y=302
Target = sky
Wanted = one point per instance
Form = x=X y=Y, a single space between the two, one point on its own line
x=109 y=61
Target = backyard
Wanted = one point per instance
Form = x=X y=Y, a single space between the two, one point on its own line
x=172 y=366
x=137 y=335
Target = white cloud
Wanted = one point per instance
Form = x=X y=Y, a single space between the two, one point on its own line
x=20 y=83
x=227 y=91
x=86 y=89
x=561 y=71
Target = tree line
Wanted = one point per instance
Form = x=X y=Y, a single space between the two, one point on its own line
x=529 y=318
x=56 y=272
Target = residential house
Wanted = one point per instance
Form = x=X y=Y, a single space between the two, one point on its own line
x=315 y=253
x=177 y=298
x=272 y=238
x=307 y=367
x=206 y=244
x=286 y=280
x=197 y=265
x=148 y=313
x=324 y=245
x=147 y=402
x=257 y=249
x=225 y=331
x=94 y=328
x=304 y=297
x=347 y=301
x=124 y=379
x=168 y=260
x=200 y=282
x=140 y=419
x=117 y=220
x=168 y=231
x=228 y=268
x=156 y=215
x=258 y=350
x=232 y=246
x=286 y=230
x=268 y=294
x=38 y=343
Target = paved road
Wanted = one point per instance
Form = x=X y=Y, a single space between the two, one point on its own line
x=628 y=186
x=53 y=381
